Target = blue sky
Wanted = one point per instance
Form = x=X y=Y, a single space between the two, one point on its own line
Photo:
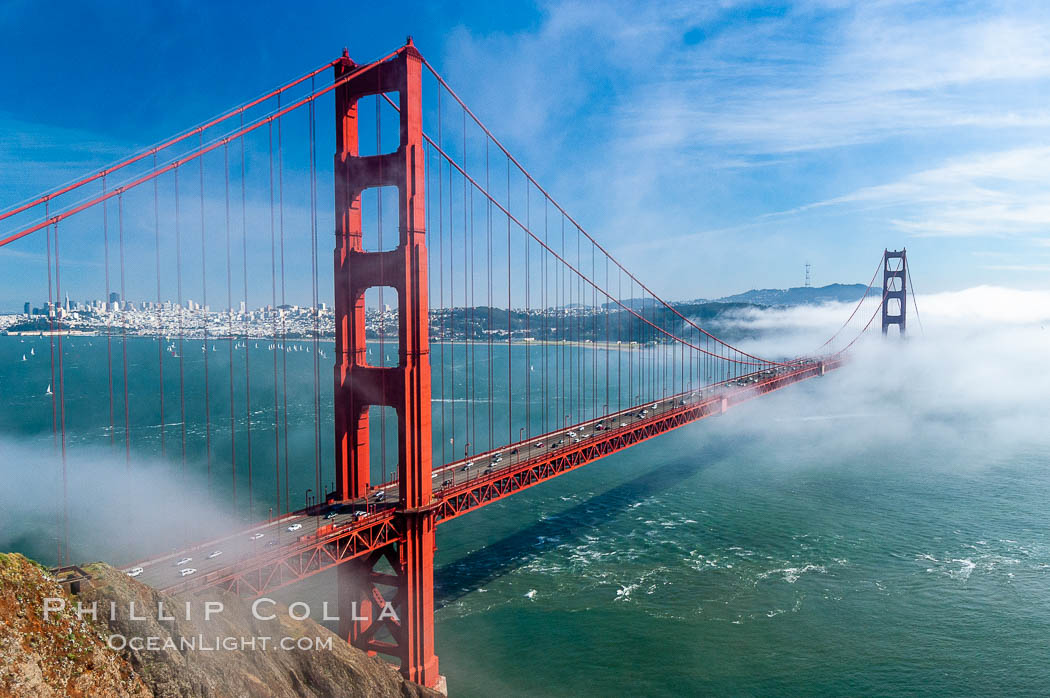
x=714 y=146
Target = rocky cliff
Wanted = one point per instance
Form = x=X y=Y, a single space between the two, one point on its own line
x=175 y=650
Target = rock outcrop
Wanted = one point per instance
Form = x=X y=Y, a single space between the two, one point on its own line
x=59 y=655
x=145 y=643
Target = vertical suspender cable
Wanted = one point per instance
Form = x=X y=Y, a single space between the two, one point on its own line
x=62 y=408
x=54 y=399
x=107 y=300
x=544 y=256
x=382 y=280
x=528 y=316
x=284 y=302
x=510 y=346
x=124 y=324
x=160 y=305
x=316 y=298
x=51 y=326
x=491 y=300
x=247 y=368
x=470 y=412
x=178 y=308
x=204 y=317
x=275 y=312
x=229 y=306
x=472 y=347
x=445 y=397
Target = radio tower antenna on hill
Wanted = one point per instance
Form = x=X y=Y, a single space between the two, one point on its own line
x=807 y=274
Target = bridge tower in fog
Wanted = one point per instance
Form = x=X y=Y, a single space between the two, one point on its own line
x=895 y=289
x=404 y=387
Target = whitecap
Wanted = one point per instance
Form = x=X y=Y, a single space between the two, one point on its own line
x=964 y=571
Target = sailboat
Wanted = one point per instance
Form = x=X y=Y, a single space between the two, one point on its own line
x=49 y=392
x=32 y=351
x=23 y=357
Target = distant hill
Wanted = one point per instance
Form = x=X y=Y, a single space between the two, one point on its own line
x=800 y=295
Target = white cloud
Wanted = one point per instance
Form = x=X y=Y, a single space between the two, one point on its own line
x=978 y=312
x=973 y=381
x=676 y=118
x=1020 y=267
x=986 y=194
x=879 y=70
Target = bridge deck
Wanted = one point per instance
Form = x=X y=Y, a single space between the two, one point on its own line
x=303 y=543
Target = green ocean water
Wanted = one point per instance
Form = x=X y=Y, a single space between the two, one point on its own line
x=821 y=540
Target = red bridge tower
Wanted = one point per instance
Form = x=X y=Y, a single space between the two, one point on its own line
x=894 y=288
x=405 y=387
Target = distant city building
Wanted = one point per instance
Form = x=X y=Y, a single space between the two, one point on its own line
x=114 y=297
x=25 y=309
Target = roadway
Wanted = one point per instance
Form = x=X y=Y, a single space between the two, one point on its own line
x=266 y=539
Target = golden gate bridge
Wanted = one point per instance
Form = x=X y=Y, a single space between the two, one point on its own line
x=549 y=353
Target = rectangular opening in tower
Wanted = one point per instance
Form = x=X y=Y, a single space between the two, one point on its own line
x=382 y=428
x=379 y=219
x=382 y=326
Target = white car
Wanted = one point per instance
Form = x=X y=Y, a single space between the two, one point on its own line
x=295 y=527
x=538 y=444
x=623 y=424
x=214 y=555
x=183 y=561
x=572 y=434
x=331 y=515
x=187 y=572
x=257 y=536
x=380 y=496
x=468 y=466
x=135 y=571
x=360 y=514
